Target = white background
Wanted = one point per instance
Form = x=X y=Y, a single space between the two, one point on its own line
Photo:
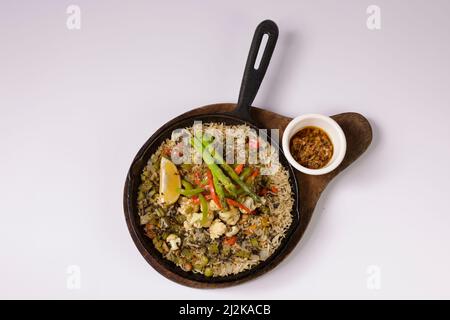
x=75 y=107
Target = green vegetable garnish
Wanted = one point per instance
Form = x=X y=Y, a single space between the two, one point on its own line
x=215 y=170
x=229 y=170
x=190 y=192
x=204 y=207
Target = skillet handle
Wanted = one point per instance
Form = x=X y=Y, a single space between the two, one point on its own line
x=253 y=77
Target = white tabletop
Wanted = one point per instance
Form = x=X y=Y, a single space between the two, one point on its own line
x=76 y=105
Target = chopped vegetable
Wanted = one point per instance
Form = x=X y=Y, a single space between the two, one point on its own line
x=220 y=192
x=239 y=168
x=239 y=205
x=243 y=254
x=234 y=230
x=230 y=241
x=215 y=170
x=174 y=241
x=255 y=173
x=190 y=192
x=201 y=263
x=213 y=248
x=196 y=200
x=186 y=184
x=228 y=169
x=186 y=253
x=245 y=173
x=226 y=250
x=204 y=207
x=212 y=191
x=230 y=216
x=217 y=229
x=208 y=272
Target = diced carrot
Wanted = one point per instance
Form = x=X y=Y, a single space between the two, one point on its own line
x=239 y=168
x=234 y=203
x=274 y=189
x=230 y=241
x=255 y=173
x=212 y=191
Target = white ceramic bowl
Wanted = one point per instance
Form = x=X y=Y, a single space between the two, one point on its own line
x=325 y=123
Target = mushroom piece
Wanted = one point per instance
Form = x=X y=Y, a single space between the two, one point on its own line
x=174 y=241
x=234 y=230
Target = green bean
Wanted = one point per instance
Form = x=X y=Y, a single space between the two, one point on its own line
x=220 y=192
x=190 y=192
x=215 y=170
x=228 y=169
x=245 y=173
x=186 y=184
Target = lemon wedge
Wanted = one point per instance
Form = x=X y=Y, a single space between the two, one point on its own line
x=169 y=182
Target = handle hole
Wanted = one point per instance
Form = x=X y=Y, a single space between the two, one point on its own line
x=261 y=50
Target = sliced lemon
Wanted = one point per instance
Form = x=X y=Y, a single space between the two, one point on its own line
x=169 y=181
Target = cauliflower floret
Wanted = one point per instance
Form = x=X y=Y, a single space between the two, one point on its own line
x=213 y=206
x=249 y=203
x=187 y=206
x=231 y=216
x=174 y=241
x=234 y=230
x=195 y=220
x=217 y=229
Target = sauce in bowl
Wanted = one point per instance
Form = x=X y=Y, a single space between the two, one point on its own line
x=311 y=147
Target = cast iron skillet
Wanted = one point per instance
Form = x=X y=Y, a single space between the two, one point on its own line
x=251 y=81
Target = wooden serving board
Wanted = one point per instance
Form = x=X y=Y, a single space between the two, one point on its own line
x=358 y=133
x=359 y=136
